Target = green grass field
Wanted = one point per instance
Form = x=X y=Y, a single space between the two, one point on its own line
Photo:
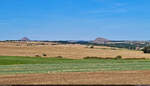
x=18 y=64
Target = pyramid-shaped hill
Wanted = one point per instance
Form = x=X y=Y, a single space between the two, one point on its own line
x=25 y=39
x=100 y=40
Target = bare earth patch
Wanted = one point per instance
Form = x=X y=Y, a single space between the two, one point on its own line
x=112 y=77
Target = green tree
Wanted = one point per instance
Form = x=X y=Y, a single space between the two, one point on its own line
x=146 y=49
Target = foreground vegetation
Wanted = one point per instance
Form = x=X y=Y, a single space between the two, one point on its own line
x=16 y=64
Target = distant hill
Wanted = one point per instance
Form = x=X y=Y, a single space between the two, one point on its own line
x=25 y=39
x=100 y=40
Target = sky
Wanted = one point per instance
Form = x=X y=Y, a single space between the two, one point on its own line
x=75 y=19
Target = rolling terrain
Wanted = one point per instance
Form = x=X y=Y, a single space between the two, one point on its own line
x=52 y=63
x=73 y=51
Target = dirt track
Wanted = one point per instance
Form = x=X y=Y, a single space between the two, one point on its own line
x=114 y=77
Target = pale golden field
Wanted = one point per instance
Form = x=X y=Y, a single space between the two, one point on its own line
x=81 y=78
x=74 y=51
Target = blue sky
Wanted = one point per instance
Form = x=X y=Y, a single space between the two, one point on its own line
x=75 y=19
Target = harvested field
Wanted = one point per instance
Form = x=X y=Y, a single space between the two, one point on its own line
x=74 y=51
x=112 y=77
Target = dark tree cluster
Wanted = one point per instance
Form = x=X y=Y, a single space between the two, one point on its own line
x=146 y=49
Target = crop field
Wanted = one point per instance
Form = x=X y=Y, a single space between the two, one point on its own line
x=23 y=63
x=36 y=70
x=73 y=51
x=15 y=65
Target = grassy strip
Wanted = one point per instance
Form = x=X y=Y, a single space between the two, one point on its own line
x=12 y=60
x=15 y=65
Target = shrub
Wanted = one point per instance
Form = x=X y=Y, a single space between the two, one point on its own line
x=113 y=48
x=118 y=57
x=44 y=54
x=88 y=57
x=17 y=45
x=29 y=44
x=146 y=49
x=59 y=57
x=42 y=43
x=91 y=46
x=37 y=56
x=54 y=44
x=136 y=58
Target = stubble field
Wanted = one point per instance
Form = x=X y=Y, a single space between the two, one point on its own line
x=73 y=51
x=18 y=65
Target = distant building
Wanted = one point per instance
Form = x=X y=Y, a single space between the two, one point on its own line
x=137 y=48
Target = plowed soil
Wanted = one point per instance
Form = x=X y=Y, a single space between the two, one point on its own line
x=112 y=77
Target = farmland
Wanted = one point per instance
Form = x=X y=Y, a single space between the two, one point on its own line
x=104 y=77
x=73 y=51
x=66 y=64
x=29 y=70
x=16 y=65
